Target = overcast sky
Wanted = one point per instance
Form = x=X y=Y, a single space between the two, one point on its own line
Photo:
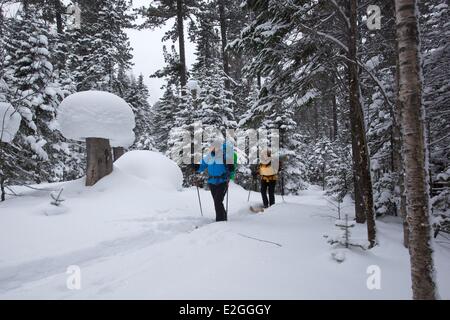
x=148 y=53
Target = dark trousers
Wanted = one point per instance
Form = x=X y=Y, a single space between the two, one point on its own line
x=218 y=192
x=271 y=186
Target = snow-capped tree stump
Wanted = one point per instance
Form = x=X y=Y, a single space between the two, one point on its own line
x=118 y=152
x=99 y=160
x=103 y=120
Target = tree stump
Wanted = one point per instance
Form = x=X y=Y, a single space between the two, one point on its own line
x=99 y=160
x=118 y=152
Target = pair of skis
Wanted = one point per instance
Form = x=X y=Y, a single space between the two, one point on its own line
x=257 y=208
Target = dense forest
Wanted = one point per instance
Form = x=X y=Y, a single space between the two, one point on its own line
x=362 y=102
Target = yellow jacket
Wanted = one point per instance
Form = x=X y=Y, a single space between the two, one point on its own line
x=267 y=172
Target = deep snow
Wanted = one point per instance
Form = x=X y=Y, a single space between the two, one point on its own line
x=97 y=114
x=133 y=239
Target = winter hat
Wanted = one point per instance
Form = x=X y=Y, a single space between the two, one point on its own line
x=265 y=157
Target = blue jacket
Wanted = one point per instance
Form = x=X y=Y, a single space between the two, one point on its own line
x=217 y=170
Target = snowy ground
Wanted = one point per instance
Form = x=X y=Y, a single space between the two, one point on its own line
x=133 y=240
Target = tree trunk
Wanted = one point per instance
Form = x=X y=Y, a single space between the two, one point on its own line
x=118 y=152
x=25 y=5
x=1 y=26
x=360 y=150
x=335 y=120
x=58 y=16
x=316 y=128
x=397 y=163
x=415 y=152
x=99 y=160
x=223 y=33
x=180 y=31
x=359 y=207
x=398 y=168
x=2 y=188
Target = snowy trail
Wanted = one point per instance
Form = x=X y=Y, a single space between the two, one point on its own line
x=159 y=227
x=12 y=277
x=133 y=241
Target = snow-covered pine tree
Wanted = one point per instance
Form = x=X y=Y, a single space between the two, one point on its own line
x=321 y=159
x=246 y=111
x=279 y=115
x=137 y=97
x=163 y=111
x=435 y=30
x=340 y=178
x=180 y=134
x=215 y=107
x=163 y=117
x=158 y=13
x=377 y=55
x=101 y=45
x=35 y=94
x=215 y=104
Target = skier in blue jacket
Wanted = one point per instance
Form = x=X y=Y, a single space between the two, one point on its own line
x=220 y=165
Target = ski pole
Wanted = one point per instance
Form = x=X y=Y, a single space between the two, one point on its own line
x=228 y=187
x=255 y=188
x=199 y=201
x=250 y=188
x=249 y=192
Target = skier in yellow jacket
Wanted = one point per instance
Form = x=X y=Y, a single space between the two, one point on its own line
x=269 y=177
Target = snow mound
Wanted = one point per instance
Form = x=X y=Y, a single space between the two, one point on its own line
x=51 y=210
x=338 y=255
x=152 y=167
x=9 y=122
x=97 y=114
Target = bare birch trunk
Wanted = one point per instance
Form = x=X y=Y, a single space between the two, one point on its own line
x=414 y=150
x=397 y=149
x=398 y=168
